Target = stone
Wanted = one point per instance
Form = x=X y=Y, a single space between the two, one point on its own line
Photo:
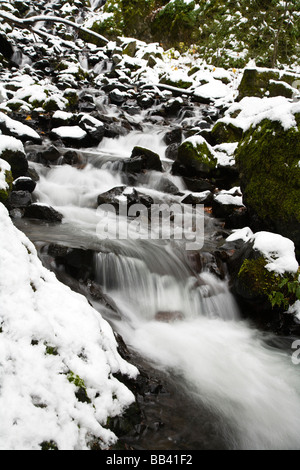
x=42 y=212
x=142 y=159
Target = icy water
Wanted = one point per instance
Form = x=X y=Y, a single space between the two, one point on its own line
x=231 y=386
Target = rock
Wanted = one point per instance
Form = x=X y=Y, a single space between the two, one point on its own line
x=168 y=316
x=111 y=196
x=24 y=184
x=173 y=136
x=254 y=285
x=172 y=151
x=12 y=151
x=268 y=162
x=226 y=132
x=118 y=97
x=206 y=198
x=42 y=212
x=6 y=183
x=71 y=157
x=165 y=185
x=142 y=159
x=19 y=199
x=197 y=185
x=93 y=127
x=130 y=48
x=256 y=82
x=195 y=158
x=51 y=154
x=145 y=100
x=11 y=127
x=6 y=49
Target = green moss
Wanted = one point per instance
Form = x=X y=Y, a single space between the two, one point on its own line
x=280 y=291
x=223 y=132
x=4 y=193
x=48 y=445
x=178 y=83
x=197 y=157
x=268 y=159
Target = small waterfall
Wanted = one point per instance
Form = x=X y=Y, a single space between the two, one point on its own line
x=185 y=323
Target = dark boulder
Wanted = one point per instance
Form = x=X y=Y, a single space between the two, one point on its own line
x=142 y=159
x=42 y=212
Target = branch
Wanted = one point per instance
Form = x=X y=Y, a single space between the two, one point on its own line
x=23 y=23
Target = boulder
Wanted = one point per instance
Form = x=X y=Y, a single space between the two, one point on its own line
x=195 y=158
x=42 y=212
x=142 y=159
x=12 y=151
x=268 y=162
x=263 y=82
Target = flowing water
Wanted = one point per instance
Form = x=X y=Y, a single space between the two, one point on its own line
x=237 y=388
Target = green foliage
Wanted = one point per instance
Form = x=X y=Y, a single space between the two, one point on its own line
x=281 y=291
x=76 y=380
x=176 y=24
x=4 y=193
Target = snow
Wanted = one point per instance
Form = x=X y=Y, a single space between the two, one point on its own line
x=63 y=115
x=279 y=251
x=17 y=127
x=4 y=166
x=254 y=110
x=73 y=132
x=214 y=89
x=37 y=401
x=232 y=196
x=10 y=143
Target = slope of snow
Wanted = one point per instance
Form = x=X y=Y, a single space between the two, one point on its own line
x=49 y=336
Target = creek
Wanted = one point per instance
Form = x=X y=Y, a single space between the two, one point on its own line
x=226 y=385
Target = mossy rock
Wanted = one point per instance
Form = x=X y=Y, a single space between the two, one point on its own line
x=4 y=193
x=256 y=83
x=265 y=83
x=268 y=162
x=130 y=49
x=196 y=156
x=223 y=132
x=167 y=80
x=280 y=89
x=17 y=160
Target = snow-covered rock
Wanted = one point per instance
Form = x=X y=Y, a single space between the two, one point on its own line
x=52 y=343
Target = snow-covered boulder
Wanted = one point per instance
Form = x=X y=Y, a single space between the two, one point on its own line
x=58 y=357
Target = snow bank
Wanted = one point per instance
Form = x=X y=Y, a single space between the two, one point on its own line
x=254 y=110
x=279 y=251
x=17 y=127
x=10 y=143
x=4 y=166
x=50 y=334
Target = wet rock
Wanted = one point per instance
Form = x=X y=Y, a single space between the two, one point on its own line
x=43 y=212
x=24 y=184
x=206 y=198
x=51 y=154
x=165 y=185
x=93 y=127
x=6 y=48
x=19 y=199
x=71 y=157
x=197 y=185
x=118 y=97
x=16 y=158
x=168 y=316
x=172 y=151
x=142 y=159
x=111 y=196
x=173 y=136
